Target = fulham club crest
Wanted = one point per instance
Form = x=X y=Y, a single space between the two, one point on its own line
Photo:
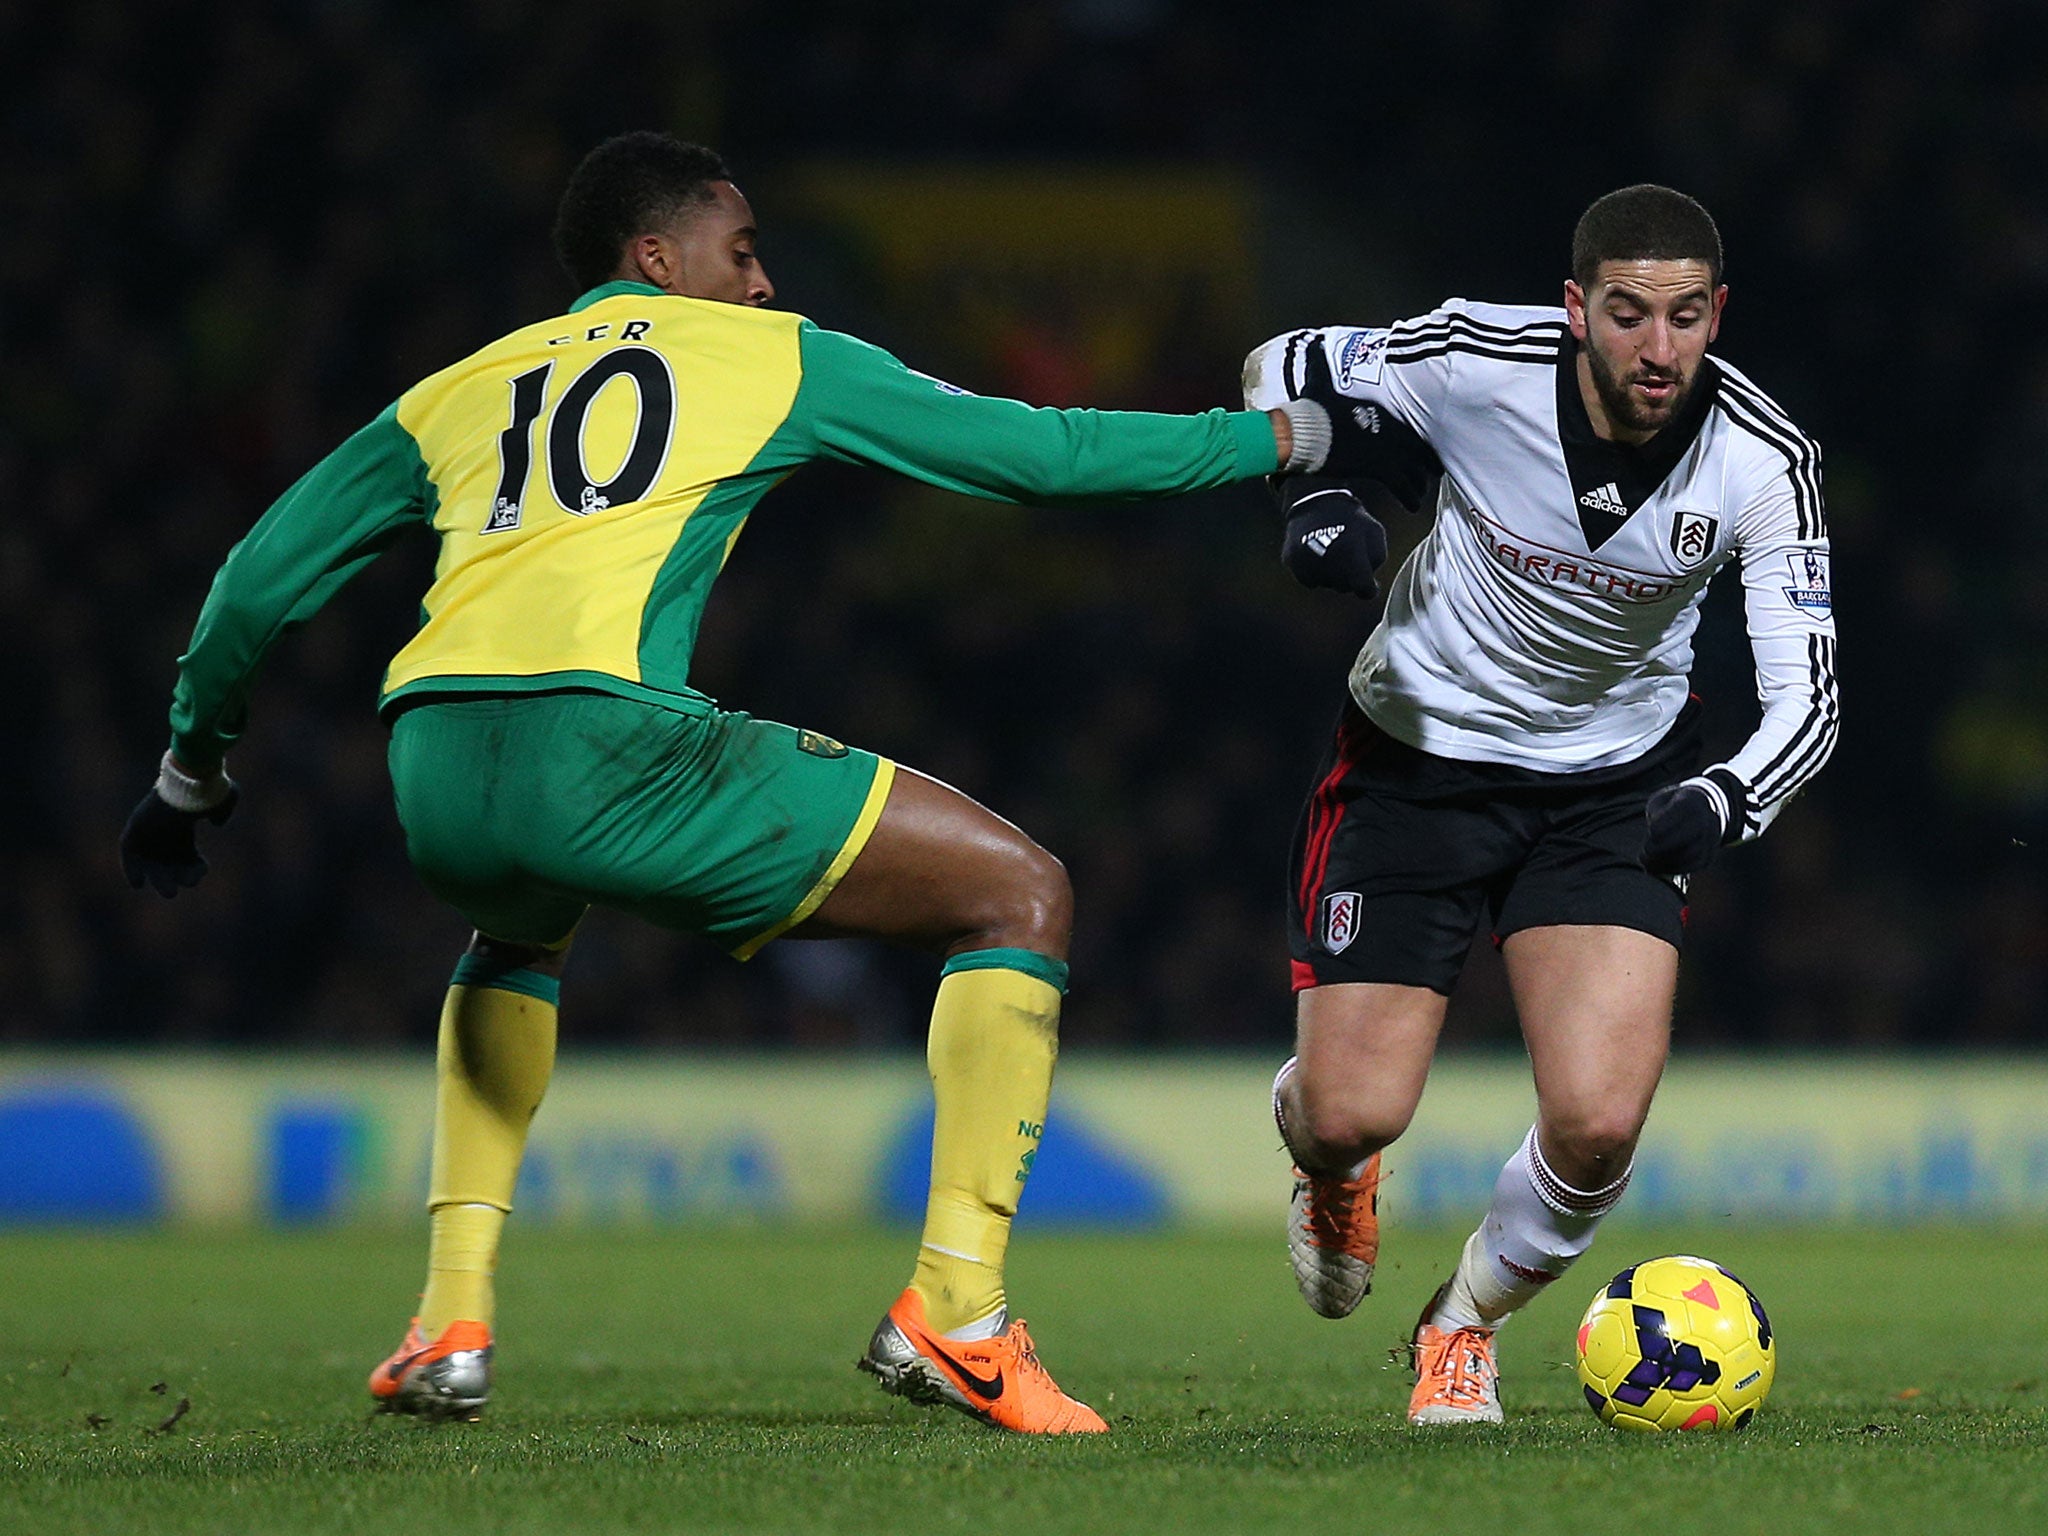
x=1692 y=537
x=1340 y=920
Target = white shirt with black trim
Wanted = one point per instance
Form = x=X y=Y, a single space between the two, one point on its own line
x=1546 y=620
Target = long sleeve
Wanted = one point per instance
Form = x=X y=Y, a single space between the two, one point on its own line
x=339 y=516
x=858 y=403
x=1789 y=602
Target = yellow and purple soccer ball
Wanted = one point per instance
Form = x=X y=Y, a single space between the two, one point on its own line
x=1676 y=1343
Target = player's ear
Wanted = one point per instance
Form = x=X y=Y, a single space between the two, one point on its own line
x=1575 y=308
x=653 y=259
x=1720 y=303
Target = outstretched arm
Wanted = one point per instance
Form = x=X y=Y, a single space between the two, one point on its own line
x=859 y=404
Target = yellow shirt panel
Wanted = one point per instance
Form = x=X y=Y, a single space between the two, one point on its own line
x=626 y=415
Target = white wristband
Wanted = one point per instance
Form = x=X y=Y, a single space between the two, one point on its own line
x=182 y=792
x=1311 y=425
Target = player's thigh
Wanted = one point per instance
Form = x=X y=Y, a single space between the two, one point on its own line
x=1362 y=1053
x=1595 y=1007
x=942 y=871
x=747 y=833
x=1591 y=940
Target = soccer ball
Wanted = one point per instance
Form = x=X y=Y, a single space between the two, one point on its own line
x=1676 y=1343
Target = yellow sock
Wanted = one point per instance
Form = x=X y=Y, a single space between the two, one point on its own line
x=994 y=1038
x=496 y=1053
x=462 y=1258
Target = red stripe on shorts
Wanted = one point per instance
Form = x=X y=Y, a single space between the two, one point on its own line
x=1326 y=810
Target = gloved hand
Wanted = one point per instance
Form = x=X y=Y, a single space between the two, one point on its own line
x=160 y=843
x=1685 y=823
x=1331 y=540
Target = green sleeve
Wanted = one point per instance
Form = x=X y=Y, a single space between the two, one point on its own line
x=858 y=403
x=338 y=518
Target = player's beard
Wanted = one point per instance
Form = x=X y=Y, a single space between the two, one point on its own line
x=1624 y=407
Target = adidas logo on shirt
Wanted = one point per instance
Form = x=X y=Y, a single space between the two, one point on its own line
x=1321 y=540
x=1606 y=499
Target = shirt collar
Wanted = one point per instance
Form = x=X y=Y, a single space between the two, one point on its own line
x=612 y=290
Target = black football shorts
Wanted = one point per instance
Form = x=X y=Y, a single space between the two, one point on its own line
x=1398 y=851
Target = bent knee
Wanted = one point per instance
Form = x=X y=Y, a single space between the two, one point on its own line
x=1029 y=904
x=1346 y=1126
x=1592 y=1149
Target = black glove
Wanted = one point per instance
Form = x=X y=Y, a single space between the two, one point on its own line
x=1331 y=540
x=160 y=844
x=1685 y=823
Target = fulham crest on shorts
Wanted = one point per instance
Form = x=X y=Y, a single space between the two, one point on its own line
x=1340 y=920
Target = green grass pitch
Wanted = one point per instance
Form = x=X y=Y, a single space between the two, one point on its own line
x=702 y=1381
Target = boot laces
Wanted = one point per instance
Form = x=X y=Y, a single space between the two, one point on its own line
x=1465 y=1370
x=1339 y=1209
x=1027 y=1354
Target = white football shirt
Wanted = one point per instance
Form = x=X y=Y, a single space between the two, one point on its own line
x=1546 y=620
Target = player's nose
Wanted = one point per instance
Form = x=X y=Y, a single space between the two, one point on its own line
x=761 y=290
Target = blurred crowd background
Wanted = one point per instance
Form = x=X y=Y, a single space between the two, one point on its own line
x=230 y=235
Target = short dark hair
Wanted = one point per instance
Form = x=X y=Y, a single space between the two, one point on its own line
x=1645 y=222
x=627 y=186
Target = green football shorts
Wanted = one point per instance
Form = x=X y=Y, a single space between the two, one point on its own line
x=521 y=810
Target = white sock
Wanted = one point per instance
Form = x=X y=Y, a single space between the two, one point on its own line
x=994 y=1326
x=1534 y=1230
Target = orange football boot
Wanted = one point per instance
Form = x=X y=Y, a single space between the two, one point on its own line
x=998 y=1381
x=448 y=1378
x=1333 y=1237
x=1457 y=1380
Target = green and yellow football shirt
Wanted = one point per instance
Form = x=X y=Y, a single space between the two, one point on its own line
x=587 y=477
